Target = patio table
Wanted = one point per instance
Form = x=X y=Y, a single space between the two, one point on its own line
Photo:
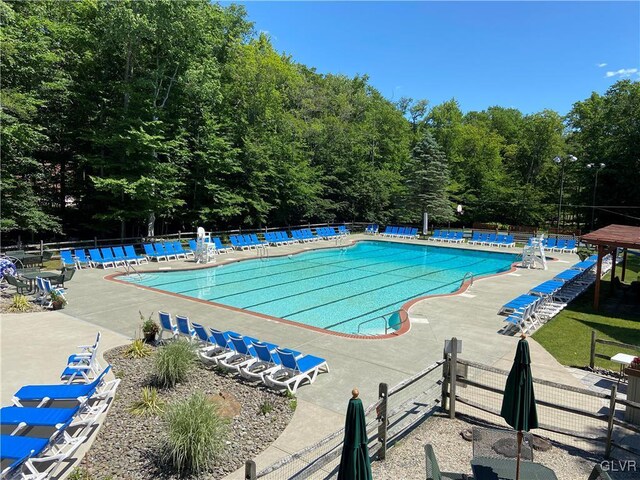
x=493 y=468
x=31 y=277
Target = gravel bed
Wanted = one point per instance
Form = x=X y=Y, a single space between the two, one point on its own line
x=6 y=299
x=406 y=460
x=127 y=444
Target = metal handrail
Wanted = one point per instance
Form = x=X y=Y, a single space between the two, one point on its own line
x=128 y=267
x=403 y=319
x=464 y=278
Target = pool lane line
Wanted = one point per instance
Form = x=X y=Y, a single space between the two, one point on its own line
x=374 y=274
x=337 y=264
x=401 y=302
x=354 y=295
x=314 y=277
x=209 y=270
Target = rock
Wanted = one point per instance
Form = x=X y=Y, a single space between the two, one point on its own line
x=467 y=434
x=228 y=405
x=540 y=444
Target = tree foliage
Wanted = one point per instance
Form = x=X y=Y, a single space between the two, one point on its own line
x=114 y=113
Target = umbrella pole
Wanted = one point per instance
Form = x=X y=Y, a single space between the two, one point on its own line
x=518 y=457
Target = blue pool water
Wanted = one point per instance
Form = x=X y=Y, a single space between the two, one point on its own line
x=336 y=289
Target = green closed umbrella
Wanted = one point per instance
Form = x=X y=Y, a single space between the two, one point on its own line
x=355 y=463
x=519 y=403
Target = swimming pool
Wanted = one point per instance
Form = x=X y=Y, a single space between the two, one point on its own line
x=336 y=289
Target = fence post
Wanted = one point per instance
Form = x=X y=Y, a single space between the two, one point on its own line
x=592 y=357
x=95 y=242
x=383 y=391
x=453 y=369
x=179 y=235
x=612 y=414
x=41 y=247
x=445 y=379
x=250 y=470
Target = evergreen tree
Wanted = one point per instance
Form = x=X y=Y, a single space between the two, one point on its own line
x=427 y=179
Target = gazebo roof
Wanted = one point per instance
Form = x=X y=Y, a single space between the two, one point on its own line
x=623 y=236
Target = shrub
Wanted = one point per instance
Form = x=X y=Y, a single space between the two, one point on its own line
x=266 y=407
x=149 y=404
x=173 y=363
x=138 y=349
x=19 y=304
x=195 y=435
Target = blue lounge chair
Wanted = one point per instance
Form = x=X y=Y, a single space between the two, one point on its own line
x=559 y=246
x=225 y=347
x=108 y=256
x=584 y=265
x=21 y=418
x=177 y=247
x=45 y=394
x=371 y=229
x=67 y=259
x=167 y=325
x=342 y=230
x=550 y=243
x=193 y=245
x=475 y=238
x=184 y=327
x=294 y=371
x=35 y=457
x=132 y=256
x=170 y=250
x=267 y=361
x=236 y=243
x=81 y=258
x=151 y=253
x=550 y=287
x=570 y=246
x=96 y=259
x=243 y=356
x=219 y=246
x=435 y=236
x=568 y=275
x=160 y=250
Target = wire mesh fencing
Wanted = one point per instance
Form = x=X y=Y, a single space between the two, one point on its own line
x=586 y=420
x=397 y=411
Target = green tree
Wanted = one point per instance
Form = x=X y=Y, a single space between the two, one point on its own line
x=427 y=178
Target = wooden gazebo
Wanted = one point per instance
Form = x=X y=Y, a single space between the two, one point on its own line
x=608 y=240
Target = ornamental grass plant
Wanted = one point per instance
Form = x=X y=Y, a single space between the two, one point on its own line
x=195 y=435
x=173 y=362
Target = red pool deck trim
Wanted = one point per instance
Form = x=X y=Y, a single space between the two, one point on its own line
x=405 y=326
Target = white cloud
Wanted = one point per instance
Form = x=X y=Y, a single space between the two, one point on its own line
x=600 y=65
x=623 y=72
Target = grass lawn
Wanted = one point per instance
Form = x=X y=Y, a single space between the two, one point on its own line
x=568 y=336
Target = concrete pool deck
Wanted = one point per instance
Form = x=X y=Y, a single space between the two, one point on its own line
x=98 y=304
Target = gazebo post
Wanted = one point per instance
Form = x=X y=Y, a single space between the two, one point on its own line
x=596 y=298
x=614 y=254
x=624 y=263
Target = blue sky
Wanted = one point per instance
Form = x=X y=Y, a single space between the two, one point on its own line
x=527 y=55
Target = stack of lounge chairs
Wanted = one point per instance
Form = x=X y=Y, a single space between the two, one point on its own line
x=492 y=239
x=246 y=242
x=166 y=251
x=400 y=232
x=544 y=301
x=111 y=257
x=304 y=235
x=85 y=396
x=279 y=238
x=449 y=236
x=327 y=232
x=372 y=229
x=558 y=245
x=274 y=366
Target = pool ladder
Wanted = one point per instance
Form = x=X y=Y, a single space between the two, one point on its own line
x=129 y=268
x=468 y=275
x=262 y=252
